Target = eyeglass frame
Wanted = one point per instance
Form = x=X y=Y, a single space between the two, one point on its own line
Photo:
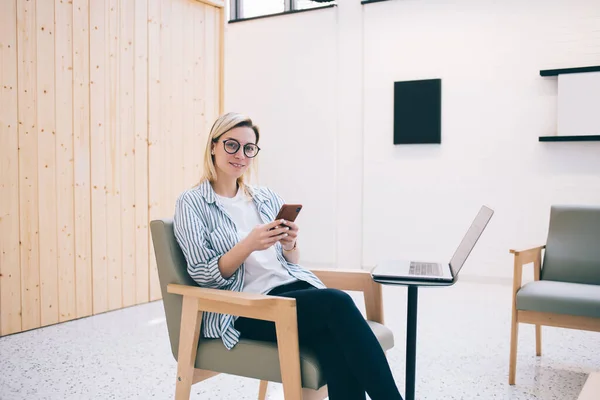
x=239 y=146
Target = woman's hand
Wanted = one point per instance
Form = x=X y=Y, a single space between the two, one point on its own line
x=288 y=242
x=264 y=236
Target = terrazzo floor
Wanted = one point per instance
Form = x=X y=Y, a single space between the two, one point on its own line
x=463 y=354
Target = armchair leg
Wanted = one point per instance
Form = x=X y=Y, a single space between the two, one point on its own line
x=262 y=390
x=514 y=336
x=188 y=346
x=538 y=340
x=289 y=355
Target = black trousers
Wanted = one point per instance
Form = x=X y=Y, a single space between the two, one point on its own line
x=331 y=325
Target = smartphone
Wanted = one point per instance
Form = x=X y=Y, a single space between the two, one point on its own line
x=289 y=212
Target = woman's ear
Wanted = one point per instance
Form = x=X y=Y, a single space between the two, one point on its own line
x=212 y=149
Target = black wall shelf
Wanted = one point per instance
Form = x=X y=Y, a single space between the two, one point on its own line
x=556 y=72
x=586 y=138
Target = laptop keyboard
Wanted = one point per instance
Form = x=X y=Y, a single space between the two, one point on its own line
x=423 y=268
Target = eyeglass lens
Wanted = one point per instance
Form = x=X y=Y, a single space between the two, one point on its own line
x=232 y=146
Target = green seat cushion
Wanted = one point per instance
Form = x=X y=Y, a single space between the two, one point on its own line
x=577 y=299
x=260 y=360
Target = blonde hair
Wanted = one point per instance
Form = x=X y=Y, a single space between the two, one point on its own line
x=222 y=125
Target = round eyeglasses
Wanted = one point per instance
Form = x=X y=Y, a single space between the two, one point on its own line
x=232 y=146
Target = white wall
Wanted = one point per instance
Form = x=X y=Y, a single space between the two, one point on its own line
x=278 y=76
x=387 y=201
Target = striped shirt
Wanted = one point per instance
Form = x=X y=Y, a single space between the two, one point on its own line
x=205 y=232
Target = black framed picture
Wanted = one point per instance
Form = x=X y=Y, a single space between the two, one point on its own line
x=418 y=111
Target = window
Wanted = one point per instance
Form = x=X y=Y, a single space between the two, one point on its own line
x=245 y=9
x=307 y=4
x=255 y=8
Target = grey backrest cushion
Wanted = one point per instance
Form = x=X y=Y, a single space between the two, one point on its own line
x=573 y=246
x=172 y=268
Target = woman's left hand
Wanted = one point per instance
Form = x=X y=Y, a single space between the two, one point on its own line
x=289 y=241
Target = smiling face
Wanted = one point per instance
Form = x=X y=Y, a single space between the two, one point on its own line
x=232 y=150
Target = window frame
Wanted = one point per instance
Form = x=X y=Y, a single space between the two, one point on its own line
x=371 y=1
x=236 y=8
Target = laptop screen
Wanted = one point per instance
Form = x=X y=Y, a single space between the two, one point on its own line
x=470 y=239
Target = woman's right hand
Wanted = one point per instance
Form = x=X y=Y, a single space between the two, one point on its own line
x=264 y=236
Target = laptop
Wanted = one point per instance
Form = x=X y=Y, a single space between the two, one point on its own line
x=435 y=271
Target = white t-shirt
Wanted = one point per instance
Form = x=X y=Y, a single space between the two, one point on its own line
x=263 y=270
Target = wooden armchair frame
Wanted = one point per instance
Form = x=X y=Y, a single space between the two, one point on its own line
x=523 y=257
x=280 y=310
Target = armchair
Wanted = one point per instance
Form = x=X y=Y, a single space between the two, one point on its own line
x=201 y=358
x=566 y=288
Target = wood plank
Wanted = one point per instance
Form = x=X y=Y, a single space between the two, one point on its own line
x=98 y=127
x=191 y=149
x=200 y=129
x=127 y=155
x=67 y=305
x=10 y=271
x=221 y=21
x=154 y=131
x=82 y=161
x=178 y=109
x=211 y=64
x=141 y=152
x=46 y=117
x=113 y=162
x=243 y=300
x=161 y=149
x=167 y=80
x=28 y=168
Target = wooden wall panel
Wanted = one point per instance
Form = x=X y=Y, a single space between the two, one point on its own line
x=177 y=172
x=165 y=144
x=81 y=157
x=141 y=100
x=65 y=206
x=113 y=160
x=190 y=147
x=155 y=117
x=46 y=164
x=28 y=164
x=10 y=271
x=126 y=134
x=99 y=104
x=104 y=111
x=201 y=124
x=211 y=86
x=154 y=128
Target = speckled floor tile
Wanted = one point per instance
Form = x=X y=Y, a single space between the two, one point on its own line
x=463 y=344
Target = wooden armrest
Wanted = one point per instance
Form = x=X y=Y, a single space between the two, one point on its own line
x=526 y=256
x=356 y=280
x=281 y=310
x=250 y=305
x=527 y=251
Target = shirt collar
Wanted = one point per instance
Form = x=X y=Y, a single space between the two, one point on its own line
x=207 y=191
x=258 y=194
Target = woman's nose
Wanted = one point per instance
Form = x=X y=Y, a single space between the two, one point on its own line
x=240 y=154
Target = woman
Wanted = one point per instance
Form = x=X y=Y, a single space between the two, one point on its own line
x=230 y=240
